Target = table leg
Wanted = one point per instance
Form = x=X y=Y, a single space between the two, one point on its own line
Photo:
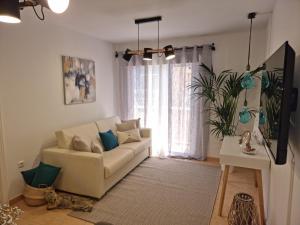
x=224 y=184
x=261 y=197
x=255 y=179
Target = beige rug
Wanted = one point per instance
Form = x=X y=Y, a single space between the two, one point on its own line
x=160 y=192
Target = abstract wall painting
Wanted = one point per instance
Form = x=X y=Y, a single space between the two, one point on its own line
x=79 y=80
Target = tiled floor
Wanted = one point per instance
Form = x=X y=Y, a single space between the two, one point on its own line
x=240 y=180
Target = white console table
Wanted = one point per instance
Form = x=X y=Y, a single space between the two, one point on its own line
x=231 y=155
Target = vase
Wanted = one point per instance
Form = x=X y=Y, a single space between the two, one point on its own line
x=243 y=210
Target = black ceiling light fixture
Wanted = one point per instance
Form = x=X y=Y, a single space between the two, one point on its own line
x=169 y=52
x=10 y=9
x=148 y=52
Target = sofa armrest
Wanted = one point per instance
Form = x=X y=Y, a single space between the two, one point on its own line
x=146 y=132
x=82 y=172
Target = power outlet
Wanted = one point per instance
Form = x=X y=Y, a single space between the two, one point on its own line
x=21 y=164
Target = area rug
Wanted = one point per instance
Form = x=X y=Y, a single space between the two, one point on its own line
x=160 y=192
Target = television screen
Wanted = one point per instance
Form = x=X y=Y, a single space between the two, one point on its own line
x=275 y=101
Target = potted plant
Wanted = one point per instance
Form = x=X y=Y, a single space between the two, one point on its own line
x=221 y=94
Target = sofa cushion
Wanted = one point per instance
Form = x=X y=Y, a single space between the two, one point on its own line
x=108 y=124
x=116 y=159
x=87 y=131
x=137 y=147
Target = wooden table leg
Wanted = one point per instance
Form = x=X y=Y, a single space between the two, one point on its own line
x=261 y=197
x=224 y=184
x=255 y=179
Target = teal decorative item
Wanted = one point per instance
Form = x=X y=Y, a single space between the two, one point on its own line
x=262 y=117
x=265 y=82
x=245 y=115
x=28 y=175
x=45 y=175
x=109 y=140
x=247 y=81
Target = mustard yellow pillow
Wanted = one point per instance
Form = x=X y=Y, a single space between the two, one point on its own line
x=126 y=126
x=137 y=122
x=129 y=136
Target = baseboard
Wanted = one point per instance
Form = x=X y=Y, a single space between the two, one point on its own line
x=213 y=159
x=16 y=199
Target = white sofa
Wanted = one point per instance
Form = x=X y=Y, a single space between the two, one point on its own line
x=93 y=174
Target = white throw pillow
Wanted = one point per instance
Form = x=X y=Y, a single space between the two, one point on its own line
x=96 y=147
x=80 y=144
x=129 y=136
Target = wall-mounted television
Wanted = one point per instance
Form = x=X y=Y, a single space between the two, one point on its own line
x=277 y=101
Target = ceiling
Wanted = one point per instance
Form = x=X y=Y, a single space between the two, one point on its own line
x=113 y=20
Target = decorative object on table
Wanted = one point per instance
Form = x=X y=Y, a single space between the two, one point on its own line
x=245 y=143
x=38 y=180
x=243 y=210
x=10 y=9
x=8 y=214
x=147 y=53
x=67 y=201
x=35 y=196
x=79 y=80
x=221 y=94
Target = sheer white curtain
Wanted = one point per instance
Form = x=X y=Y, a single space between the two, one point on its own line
x=158 y=93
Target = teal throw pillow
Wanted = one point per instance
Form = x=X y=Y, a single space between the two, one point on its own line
x=28 y=175
x=109 y=140
x=45 y=175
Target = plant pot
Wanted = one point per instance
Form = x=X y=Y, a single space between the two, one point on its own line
x=35 y=196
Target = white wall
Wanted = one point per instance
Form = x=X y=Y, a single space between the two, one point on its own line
x=231 y=53
x=284 y=26
x=31 y=89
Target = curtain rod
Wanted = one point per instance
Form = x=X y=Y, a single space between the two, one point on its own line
x=212 y=47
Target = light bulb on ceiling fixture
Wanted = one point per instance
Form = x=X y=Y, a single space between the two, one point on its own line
x=9 y=11
x=169 y=52
x=147 y=55
x=58 y=6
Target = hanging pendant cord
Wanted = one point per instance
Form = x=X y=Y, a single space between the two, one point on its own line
x=139 y=38
x=159 y=54
x=157 y=34
x=249 y=47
